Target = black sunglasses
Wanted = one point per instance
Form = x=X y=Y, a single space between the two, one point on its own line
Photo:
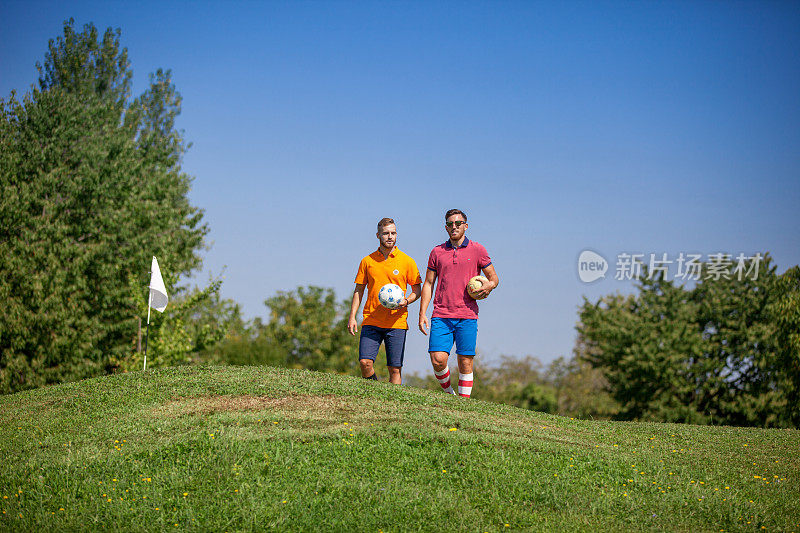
x=456 y=222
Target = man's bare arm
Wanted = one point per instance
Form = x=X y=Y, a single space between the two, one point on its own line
x=494 y=281
x=358 y=294
x=413 y=297
x=425 y=299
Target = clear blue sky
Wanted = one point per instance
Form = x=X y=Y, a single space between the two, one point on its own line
x=650 y=127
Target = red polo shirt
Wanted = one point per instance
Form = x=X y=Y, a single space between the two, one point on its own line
x=454 y=268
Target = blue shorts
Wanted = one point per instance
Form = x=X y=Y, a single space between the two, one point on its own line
x=394 y=341
x=446 y=331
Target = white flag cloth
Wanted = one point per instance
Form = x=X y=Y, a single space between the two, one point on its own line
x=158 y=292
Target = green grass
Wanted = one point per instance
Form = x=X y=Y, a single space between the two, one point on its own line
x=252 y=448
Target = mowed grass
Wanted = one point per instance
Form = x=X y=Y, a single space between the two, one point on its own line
x=244 y=448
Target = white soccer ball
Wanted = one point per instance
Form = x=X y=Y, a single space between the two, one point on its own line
x=390 y=296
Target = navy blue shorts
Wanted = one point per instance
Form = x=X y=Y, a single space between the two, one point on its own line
x=393 y=339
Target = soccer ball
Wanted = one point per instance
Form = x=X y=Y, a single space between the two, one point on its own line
x=390 y=296
x=475 y=285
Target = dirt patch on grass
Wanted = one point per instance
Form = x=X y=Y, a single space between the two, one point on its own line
x=299 y=404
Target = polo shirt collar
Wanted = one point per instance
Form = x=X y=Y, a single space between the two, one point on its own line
x=449 y=244
x=393 y=253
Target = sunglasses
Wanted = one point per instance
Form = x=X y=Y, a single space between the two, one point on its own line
x=456 y=222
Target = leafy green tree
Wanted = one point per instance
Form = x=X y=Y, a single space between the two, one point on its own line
x=581 y=390
x=511 y=380
x=784 y=311
x=717 y=353
x=91 y=188
x=642 y=344
x=245 y=342
x=310 y=328
x=537 y=397
x=738 y=358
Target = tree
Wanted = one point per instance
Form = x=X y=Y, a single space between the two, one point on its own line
x=718 y=353
x=784 y=311
x=310 y=328
x=581 y=390
x=91 y=187
x=642 y=344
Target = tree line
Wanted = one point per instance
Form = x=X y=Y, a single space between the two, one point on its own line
x=91 y=186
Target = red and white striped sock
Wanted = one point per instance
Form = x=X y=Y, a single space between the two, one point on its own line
x=443 y=377
x=464 y=384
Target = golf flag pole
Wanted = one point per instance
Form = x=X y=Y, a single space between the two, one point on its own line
x=157 y=299
x=147 y=329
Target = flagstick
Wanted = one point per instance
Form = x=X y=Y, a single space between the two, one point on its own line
x=147 y=329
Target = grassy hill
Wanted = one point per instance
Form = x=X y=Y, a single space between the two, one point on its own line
x=227 y=449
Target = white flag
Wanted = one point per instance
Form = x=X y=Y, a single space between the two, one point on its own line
x=158 y=292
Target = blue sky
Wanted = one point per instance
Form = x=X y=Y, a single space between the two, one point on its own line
x=647 y=127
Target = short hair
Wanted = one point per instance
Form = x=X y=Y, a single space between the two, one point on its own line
x=384 y=222
x=452 y=212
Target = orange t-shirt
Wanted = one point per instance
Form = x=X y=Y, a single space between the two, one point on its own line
x=375 y=271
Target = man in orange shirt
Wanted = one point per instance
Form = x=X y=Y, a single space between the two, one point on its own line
x=385 y=265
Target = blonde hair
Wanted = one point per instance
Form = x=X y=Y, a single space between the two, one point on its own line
x=384 y=222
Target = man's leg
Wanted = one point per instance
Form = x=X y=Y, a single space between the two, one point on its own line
x=395 y=376
x=465 y=375
x=367 y=369
x=466 y=337
x=439 y=344
x=440 y=370
x=368 y=345
x=395 y=342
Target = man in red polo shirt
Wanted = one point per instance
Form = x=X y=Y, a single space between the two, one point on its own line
x=455 y=312
x=381 y=325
